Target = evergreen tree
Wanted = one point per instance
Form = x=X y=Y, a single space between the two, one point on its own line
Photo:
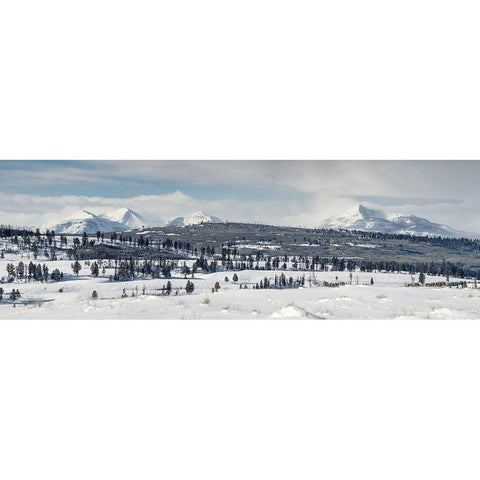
x=185 y=270
x=76 y=267
x=38 y=273
x=45 y=273
x=15 y=294
x=31 y=271
x=56 y=275
x=190 y=287
x=166 y=271
x=10 y=272
x=94 y=269
x=20 y=270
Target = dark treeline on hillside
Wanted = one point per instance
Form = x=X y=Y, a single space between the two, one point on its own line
x=232 y=261
x=307 y=235
x=437 y=241
x=7 y=231
x=128 y=248
x=10 y=231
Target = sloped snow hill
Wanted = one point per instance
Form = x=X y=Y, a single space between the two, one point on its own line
x=194 y=219
x=85 y=221
x=367 y=219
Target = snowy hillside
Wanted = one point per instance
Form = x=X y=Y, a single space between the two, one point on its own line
x=127 y=217
x=39 y=279
x=84 y=221
x=362 y=218
x=194 y=219
x=387 y=298
x=413 y=225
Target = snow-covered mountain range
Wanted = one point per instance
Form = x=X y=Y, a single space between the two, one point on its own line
x=84 y=221
x=367 y=219
x=358 y=217
x=194 y=219
x=120 y=220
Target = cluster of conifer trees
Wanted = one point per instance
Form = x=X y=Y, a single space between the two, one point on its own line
x=31 y=272
x=14 y=294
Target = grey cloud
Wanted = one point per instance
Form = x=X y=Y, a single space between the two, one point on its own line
x=443 y=191
x=387 y=201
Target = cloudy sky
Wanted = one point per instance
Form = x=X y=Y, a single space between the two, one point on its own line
x=298 y=193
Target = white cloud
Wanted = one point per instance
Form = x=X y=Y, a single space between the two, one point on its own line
x=38 y=210
x=299 y=193
x=35 y=210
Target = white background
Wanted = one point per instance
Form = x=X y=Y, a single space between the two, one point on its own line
x=252 y=79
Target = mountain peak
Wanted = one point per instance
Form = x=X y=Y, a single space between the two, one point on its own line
x=364 y=212
x=368 y=219
x=85 y=221
x=123 y=210
x=81 y=214
x=88 y=222
x=127 y=217
x=195 y=218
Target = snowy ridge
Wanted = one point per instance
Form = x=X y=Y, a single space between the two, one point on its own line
x=196 y=218
x=366 y=219
x=120 y=220
x=126 y=217
x=85 y=221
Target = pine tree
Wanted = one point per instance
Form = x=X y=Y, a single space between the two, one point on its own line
x=15 y=294
x=76 y=267
x=45 y=273
x=190 y=287
x=94 y=269
x=56 y=275
x=20 y=270
x=185 y=270
x=38 y=273
x=10 y=272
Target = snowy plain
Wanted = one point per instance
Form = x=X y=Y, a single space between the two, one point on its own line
x=387 y=298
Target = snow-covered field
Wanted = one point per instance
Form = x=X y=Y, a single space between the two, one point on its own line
x=388 y=298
